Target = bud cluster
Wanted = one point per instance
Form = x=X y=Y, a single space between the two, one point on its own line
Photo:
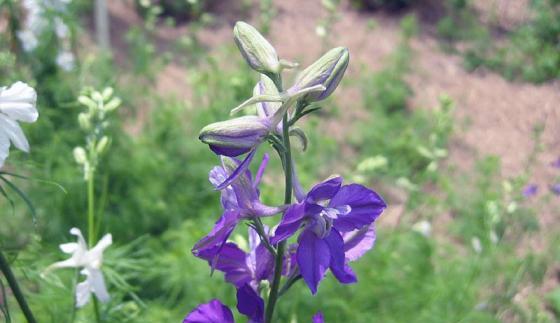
x=94 y=122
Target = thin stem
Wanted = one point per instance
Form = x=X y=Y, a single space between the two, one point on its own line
x=259 y=228
x=289 y=284
x=12 y=282
x=91 y=220
x=273 y=296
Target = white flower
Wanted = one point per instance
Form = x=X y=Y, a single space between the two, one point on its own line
x=90 y=261
x=423 y=227
x=476 y=244
x=65 y=60
x=17 y=103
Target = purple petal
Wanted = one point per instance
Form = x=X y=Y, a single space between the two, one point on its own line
x=289 y=224
x=217 y=176
x=555 y=189
x=242 y=168
x=264 y=263
x=325 y=190
x=228 y=151
x=230 y=260
x=338 y=266
x=358 y=242
x=313 y=258
x=366 y=205
x=245 y=193
x=556 y=163
x=530 y=190
x=219 y=234
x=211 y=312
x=318 y=318
x=250 y=304
x=260 y=171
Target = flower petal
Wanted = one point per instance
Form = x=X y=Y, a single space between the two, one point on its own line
x=219 y=234
x=289 y=224
x=97 y=285
x=230 y=260
x=18 y=102
x=240 y=169
x=313 y=257
x=366 y=205
x=338 y=266
x=325 y=190
x=358 y=242
x=250 y=304
x=211 y=312
x=12 y=130
x=318 y=318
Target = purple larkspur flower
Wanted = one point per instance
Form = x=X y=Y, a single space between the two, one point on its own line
x=530 y=190
x=240 y=200
x=329 y=211
x=249 y=303
x=318 y=318
x=555 y=189
x=211 y=312
x=239 y=267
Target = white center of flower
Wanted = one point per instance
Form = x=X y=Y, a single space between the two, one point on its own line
x=324 y=222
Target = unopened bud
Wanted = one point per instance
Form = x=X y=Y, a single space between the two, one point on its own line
x=102 y=144
x=84 y=121
x=256 y=50
x=326 y=71
x=80 y=155
x=235 y=136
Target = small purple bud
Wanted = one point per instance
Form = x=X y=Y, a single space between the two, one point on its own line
x=235 y=136
x=530 y=190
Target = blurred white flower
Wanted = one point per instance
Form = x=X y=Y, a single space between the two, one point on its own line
x=476 y=244
x=17 y=103
x=90 y=261
x=65 y=60
x=423 y=227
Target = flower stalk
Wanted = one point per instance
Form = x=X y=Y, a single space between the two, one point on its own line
x=18 y=294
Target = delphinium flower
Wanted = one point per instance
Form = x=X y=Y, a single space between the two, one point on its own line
x=39 y=17
x=334 y=223
x=90 y=262
x=328 y=210
x=530 y=190
x=17 y=104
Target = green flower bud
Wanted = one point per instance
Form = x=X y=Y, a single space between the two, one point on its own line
x=84 y=121
x=256 y=50
x=326 y=71
x=80 y=155
x=102 y=144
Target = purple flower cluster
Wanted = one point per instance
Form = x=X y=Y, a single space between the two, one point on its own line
x=326 y=228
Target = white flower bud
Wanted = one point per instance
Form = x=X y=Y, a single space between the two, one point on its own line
x=256 y=50
x=80 y=155
x=102 y=145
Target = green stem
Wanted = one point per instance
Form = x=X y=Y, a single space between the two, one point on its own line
x=273 y=296
x=91 y=222
x=12 y=282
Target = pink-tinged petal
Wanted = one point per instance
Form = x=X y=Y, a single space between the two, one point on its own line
x=250 y=304
x=290 y=223
x=358 y=242
x=338 y=265
x=211 y=312
x=325 y=190
x=318 y=318
x=219 y=234
x=313 y=258
x=365 y=206
x=243 y=166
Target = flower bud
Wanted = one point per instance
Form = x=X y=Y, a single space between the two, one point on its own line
x=84 y=121
x=235 y=136
x=256 y=50
x=80 y=155
x=102 y=144
x=326 y=71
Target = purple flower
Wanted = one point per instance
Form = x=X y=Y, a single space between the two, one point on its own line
x=211 y=312
x=241 y=268
x=240 y=200
x=530 y=190
x=328 y=211
x=555 y=189
x=556 y=163
x=318 y=318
